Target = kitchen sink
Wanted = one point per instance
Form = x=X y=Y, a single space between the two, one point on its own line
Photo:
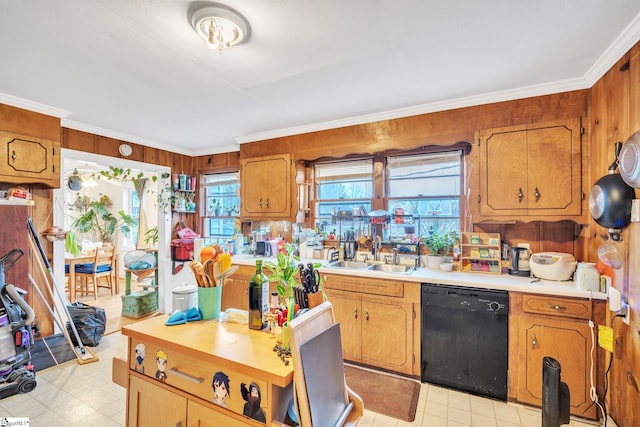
x=354 y=265
x=384 y=268
x=392 y=268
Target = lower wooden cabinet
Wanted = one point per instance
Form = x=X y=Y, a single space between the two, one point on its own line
x=378 y=321
x=556 y=327
x=152 y=405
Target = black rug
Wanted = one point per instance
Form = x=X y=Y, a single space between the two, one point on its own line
x=50 y=351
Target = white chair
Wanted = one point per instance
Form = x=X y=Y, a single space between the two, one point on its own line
x=319 y=385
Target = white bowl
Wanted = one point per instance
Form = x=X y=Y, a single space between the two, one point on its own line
x=446 y=266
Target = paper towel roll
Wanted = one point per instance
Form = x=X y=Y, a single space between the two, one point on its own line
x=198 y=244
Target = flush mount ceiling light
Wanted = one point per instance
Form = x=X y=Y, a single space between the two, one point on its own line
x=220 y=25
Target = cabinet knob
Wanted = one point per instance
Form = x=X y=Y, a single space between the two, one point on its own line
x=520 y=195
x=13 y=156
x=534 y=341
x=260 y=202
x=556 y=307
x=267 y=203
x=366 y=314
x=537 y=194
x=355 y=313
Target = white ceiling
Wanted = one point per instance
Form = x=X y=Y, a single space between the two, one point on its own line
x=136 y=70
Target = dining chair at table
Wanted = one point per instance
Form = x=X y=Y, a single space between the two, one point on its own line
x=102 y=267
x=322 y=395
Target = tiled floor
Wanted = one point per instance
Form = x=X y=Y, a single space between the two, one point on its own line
x=83 y=395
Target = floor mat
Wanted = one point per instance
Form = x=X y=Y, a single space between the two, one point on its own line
x=50 y=351
x=383 y=393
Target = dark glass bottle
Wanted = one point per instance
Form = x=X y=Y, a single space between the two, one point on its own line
x=258 y=298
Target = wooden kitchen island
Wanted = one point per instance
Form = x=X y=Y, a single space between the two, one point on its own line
x=172 y=372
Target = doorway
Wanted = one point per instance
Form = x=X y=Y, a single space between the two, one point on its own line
x=123 y=196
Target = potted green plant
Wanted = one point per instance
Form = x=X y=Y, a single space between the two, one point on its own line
x=439 y=245
x=97 y=218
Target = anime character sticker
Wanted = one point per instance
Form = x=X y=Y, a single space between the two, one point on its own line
x=161 y=362
x=141 y=351
x=221 y=390
x=252 y=408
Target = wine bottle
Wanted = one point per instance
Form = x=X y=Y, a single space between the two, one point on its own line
x=258 y=298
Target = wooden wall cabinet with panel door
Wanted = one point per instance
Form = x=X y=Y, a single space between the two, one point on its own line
x=530 y=172
x=378 y=321
x=29 y=160
x=558 y=327
x=266 y=187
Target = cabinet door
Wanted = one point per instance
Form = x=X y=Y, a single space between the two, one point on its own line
x=532 y=171
x=554 y=184
x=564 y=340
x=503 y=170
x=235 y=293
x=265 y=185
x=27 y=159
x=201 y=416
x=348 y=312
x=387 y=334
x=150 y=405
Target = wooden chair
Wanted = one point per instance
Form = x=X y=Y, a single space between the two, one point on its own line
x=315 y=338
x=103 y=266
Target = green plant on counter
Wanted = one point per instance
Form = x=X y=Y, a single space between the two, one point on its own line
x=440 y=244
x=283 y=271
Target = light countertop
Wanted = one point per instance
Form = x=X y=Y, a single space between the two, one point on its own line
x=475 y=280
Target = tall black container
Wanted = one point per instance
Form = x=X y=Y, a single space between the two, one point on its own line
x=555 y=395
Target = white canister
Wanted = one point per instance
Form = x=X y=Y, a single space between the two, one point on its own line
x=587 y=277
x=185 y=297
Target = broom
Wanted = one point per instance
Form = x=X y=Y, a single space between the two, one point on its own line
x=83 y=354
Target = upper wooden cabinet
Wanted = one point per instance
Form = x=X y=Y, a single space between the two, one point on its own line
x=29 y=160
x=529 y=172
x=266 y=187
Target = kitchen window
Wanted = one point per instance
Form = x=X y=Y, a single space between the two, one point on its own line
x=342 y=186
x=221 y=206
x=425 y=185
x=428 y=186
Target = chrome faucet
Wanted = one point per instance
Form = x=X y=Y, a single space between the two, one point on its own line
x=395 y=256
x=377 y=247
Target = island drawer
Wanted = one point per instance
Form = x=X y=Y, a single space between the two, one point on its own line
x=557 y=306
x=196 y=376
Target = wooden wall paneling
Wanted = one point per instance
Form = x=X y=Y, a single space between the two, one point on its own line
x=25 y=122
x=77 y=140
x=439 y=128
x=222 y=162
x=157 y=156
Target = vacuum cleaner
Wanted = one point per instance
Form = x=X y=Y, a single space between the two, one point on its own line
x=16 y=336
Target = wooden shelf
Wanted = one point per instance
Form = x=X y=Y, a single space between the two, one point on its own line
x=480 y=253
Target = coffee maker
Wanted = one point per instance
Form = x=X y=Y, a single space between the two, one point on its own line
x=519 y=262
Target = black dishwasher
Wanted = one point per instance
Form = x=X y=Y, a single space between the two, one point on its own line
x=465 y=338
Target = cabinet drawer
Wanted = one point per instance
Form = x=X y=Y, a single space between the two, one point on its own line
x=557 y=306
x=364 y=285
x=195 y=376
